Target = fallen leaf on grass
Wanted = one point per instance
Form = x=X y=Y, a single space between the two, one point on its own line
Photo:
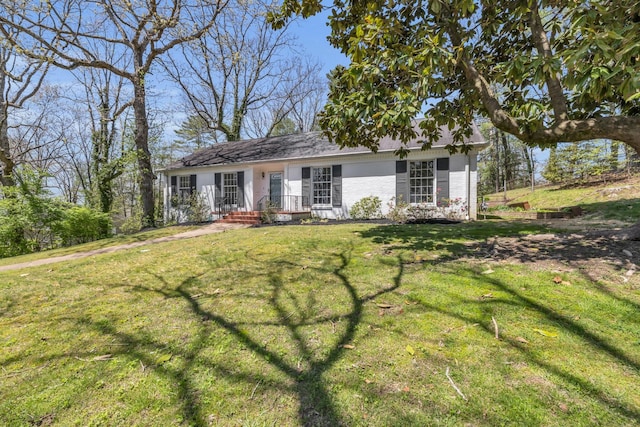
x=406 y=389
x=489 y=271
x=384 y=305
x=410 y=350
x=348 y=346
x=546 y=333
x=629 y=273
x=627 y=253
x=367 y=381
x=164 y=358
x=522 y=340
x=24 y=275
x=486 y=296
x=557 y=279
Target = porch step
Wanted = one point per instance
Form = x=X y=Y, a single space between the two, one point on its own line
x=251 y=218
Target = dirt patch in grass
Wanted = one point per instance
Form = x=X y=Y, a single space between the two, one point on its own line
x=599 y=258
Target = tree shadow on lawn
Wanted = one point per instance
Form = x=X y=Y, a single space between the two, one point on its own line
x=574 y=250
x=304 y=378
x=595 y=343
x=588 y=254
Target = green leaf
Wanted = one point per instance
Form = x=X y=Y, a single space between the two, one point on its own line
x=410 y=350
x=546 y=333
x=164 y=358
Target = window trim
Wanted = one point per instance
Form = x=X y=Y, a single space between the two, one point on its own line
x=427 y=191
x=327 y=183
x=230 y=186
x=182 y=189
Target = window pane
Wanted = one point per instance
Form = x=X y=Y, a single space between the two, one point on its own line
x=184 y=189
x=321 y=186
x=230 y=188
x=421 y=182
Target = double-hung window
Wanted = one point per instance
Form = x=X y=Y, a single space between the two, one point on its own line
x=421 y=177
x=321 y=186
x=230 y=188
x=184 y=189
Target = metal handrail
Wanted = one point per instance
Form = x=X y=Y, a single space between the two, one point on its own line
x=222 y=206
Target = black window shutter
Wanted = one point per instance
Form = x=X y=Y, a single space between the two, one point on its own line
x=217 y=178
x=336 y=186
x=442 y=181
x=174 y=189
x=174 y=185
x=192 y=184
x=306 y=187
x=443 y=164
x=240 y=178
x=402 y=182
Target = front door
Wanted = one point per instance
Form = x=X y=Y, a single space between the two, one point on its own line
x=275 y=189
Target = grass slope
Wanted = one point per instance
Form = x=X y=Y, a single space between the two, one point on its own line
x=121 y=239
x=348 y=324
x=616 y=200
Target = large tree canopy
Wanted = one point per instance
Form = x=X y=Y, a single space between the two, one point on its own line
x=546 y=71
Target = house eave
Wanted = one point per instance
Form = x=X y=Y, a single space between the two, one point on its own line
x=476 y=145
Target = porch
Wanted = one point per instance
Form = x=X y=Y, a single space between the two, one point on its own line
x=272 y=208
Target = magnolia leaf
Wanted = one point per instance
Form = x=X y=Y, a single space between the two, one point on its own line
x=164 y=358
x=546 y=333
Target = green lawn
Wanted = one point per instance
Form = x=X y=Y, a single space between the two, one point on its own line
x=121 y=239
x=351 y=324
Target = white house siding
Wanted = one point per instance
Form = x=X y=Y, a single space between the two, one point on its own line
x=368 y=179
x=473 y=194
x=362 y=175
x=374 y=175
x=458 y=177
x=205 y=185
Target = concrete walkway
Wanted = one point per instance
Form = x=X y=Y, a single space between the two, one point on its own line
x=212 y=228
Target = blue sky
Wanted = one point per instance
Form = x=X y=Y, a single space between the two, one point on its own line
x=312 y=36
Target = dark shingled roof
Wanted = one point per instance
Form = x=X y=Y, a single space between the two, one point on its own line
x=295 y=146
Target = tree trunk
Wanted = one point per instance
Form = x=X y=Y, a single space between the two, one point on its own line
x=506 y=159
x=530 y=167
x=141 y=138
x=615 y=153
x=6 y=178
